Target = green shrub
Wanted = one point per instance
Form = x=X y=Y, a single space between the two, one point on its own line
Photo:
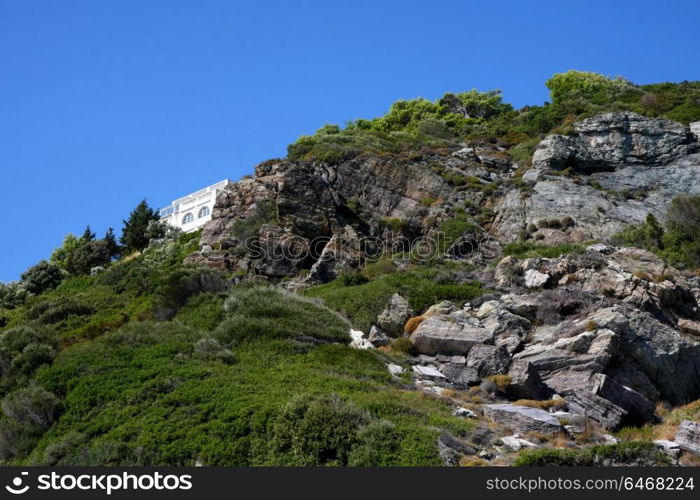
x=363 y=303
x=41 y=277
x=526 y=249
x=352 y=279
x=316 y=430
x=267 y=312
x=377 y=445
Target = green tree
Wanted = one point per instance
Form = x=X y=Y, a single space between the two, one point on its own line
x=134 y=233
x=112 y=245
x=88 y=235
x=41 y=277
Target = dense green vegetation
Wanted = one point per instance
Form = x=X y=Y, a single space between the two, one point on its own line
x=422 y=287
x=412 y=125
x=677 y=240
x=156 y=362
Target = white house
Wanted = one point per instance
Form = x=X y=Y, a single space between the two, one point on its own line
x=191 y=212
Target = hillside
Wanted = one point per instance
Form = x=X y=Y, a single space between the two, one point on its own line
x=454 y=283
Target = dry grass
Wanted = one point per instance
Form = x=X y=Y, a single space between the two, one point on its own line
x=473 y=462
x=557 y=404
x=502 y=381
x=412 y=324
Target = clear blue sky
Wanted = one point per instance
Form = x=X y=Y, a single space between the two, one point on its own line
x=103 y=103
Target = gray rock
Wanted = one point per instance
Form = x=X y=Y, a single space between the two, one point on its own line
x=395 y=369
x=535 y=279
x=525 y=381
x=688 y=436
x=523 y=418
x=451 y=449
x=460 y=376
x=590 y=405
x=377 y=337
x=655 y=159
x=428 y=372
x=464 y=412
x=438 y=335
x=395 y=315
x=488 y=360
x=639 y=410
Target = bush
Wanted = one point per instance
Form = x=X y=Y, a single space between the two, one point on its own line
x=266 y=312
x=377 y=445
x=12 y=295
x=179 y=285
x=352 y=279
x=32 y=405
x=317 y=430
x=41 y=277
x=363 y=303
x=23 y=349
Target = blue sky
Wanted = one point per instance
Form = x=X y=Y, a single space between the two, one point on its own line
x=105 y=103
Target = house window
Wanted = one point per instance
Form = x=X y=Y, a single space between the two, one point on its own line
x=188 y=218
x=203 y=212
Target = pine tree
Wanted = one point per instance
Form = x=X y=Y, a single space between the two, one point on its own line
x=88 y=235
x=112 y=245
x=134 y=232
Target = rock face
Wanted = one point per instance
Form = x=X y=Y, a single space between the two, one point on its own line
x=620 y=166
x=523 y=418
x=688 y=437
x=608 y=337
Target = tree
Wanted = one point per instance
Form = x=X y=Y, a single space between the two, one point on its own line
x=683 y=217
x=475 y=104
x=134 y=233
x=88 y=235
x=112 y=245
x=41 y=277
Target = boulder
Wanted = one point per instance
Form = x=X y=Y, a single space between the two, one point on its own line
x=444 y=335
x=535 y=279
x=488 y=360
x=460 y=376
x=393 y=318
x=377 y=337
x=525 y=381
x=428 y=372
x=590 y=405
x=464 y=412
x=688 y=437
x=639 y=410
x=523 y=419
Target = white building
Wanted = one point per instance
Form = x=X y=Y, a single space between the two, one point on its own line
x=191 y=212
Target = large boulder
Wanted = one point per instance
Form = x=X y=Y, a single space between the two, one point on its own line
x=688 y=436
x=525 y=382
x=393 y=318
x=446 y=335
x=523 y=418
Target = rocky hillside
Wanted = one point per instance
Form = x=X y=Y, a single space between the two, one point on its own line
x=454 y=283
x=605 y=333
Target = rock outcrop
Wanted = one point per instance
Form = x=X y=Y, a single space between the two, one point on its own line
x=612 y=171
